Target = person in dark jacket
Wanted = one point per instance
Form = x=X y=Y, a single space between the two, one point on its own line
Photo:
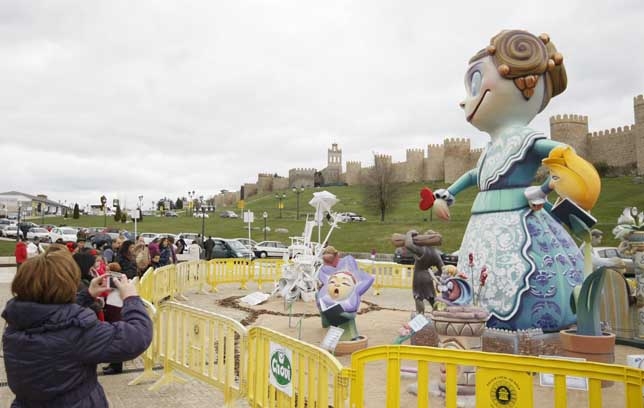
x=53 y=342
x=85 y=262
x=209 y=245
x=126 y=259
x=165 y=253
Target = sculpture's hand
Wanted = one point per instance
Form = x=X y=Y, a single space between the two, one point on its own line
x=348 y=315
x=443 y=194
x=535 y=196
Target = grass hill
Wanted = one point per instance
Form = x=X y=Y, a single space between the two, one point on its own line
x=616 y=194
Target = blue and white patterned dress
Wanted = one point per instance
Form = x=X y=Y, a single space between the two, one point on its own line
x=532 y=261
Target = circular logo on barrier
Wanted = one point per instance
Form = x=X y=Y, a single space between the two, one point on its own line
x=281 y=367
x=503 y=393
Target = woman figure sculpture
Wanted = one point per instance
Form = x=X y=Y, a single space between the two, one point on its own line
x=533 y=262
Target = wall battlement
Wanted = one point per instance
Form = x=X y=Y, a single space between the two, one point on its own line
x=302 y=170
x=566 y=118
x=456 y=141
x=415 y=151
x=354 y=163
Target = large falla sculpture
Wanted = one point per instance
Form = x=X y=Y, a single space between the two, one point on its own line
x=532 y=260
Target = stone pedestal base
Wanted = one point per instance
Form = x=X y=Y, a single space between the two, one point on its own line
x=348 y=347
x=460 y=328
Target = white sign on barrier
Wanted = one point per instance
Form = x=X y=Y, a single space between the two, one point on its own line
x=572 y=382
x=280 y=368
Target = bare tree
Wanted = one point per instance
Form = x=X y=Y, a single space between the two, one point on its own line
x=381 y=190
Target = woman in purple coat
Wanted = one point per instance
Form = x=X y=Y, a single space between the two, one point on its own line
x=52 y=342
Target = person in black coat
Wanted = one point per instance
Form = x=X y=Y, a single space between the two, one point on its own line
x=52 y=342
x=208 y=246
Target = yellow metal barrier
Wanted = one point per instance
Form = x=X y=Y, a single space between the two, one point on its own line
x=285 y=372
x=388 y=274
x=266 y=271
x=234 y=270
x=204 y=345
x=506 y=378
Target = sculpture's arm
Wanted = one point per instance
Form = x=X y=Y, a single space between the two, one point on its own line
x=466 y=180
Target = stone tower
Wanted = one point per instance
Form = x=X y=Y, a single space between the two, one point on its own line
x=354 y=172
x=435 y=163
x=414 y=170
x=459 y=151
x=333 y=169
x=572 y=130
x=638 y=130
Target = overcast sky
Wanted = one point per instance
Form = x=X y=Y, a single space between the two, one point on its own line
x=162 y=97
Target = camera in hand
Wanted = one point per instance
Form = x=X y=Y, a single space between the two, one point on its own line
x=114 y=275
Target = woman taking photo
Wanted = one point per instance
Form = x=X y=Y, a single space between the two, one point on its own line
x=52 y=342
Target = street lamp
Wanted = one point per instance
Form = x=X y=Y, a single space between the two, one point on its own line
x=203 y=218
x=103 y=202
x=265 y=217
x=138 y=214
x=191 y=195
x=18 y=223
x=280 y=198
x=297 y=193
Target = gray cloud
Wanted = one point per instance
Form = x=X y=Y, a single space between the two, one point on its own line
x=162 y=97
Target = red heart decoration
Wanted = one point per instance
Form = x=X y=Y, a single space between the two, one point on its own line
x=426 y=199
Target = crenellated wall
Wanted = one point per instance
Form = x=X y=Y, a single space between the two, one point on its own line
x=620 y=148
x=301 y=177
x=615 y=147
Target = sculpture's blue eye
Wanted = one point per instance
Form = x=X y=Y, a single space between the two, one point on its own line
x=475 y=83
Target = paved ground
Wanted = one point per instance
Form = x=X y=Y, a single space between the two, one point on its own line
x=380 y=326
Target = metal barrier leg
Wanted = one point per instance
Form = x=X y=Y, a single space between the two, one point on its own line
x=168 y=377
x=147 y=375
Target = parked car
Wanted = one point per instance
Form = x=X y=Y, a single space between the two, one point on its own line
x=247 y=242
x=403 y=256
x=188 y=237
x=100 y=239
x=349 y=217
x=2 y=227
x=230 y=248
x=91 y=231
x=228 y=214
x=148 y=236
x=273 y=249
x=11 y=231
x=67 y=234
x=171 y=214
x=41 y=233
x=49 y=227
x=112 y=232
x=6 y=221
x=604 y=256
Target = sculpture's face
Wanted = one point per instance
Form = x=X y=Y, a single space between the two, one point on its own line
x=340 y=286
x=493 y=102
